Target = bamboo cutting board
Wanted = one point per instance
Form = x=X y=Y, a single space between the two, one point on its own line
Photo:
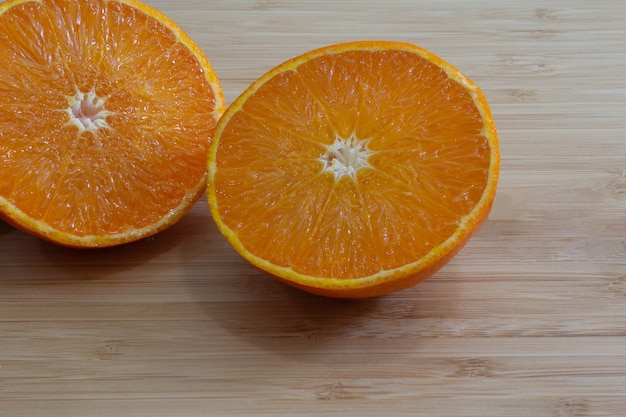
x=529 y=320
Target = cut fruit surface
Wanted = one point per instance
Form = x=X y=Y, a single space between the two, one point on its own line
x=108 y=110
x=354 y=170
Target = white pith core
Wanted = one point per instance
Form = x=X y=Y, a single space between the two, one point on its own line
x=87 y=111
x=346 y=155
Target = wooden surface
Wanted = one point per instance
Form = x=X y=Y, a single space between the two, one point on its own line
x=528 y=321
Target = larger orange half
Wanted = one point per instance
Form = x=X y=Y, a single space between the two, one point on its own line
x=106 y=116
x=354 y=170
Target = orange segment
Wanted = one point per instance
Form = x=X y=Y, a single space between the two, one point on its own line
x=108 y=116
x=354 y=170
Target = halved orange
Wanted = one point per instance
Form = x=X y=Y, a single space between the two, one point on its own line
x=107 y=112
x=354 y=170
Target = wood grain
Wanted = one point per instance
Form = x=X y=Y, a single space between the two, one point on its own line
x=528 y=321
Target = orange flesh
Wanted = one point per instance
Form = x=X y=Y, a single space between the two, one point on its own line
x=160 y=116
x=427 y=165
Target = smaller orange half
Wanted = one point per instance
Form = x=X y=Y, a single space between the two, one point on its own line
x=107 y=112
x=354 y=170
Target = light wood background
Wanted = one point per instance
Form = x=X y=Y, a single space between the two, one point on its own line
x=528 y=321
